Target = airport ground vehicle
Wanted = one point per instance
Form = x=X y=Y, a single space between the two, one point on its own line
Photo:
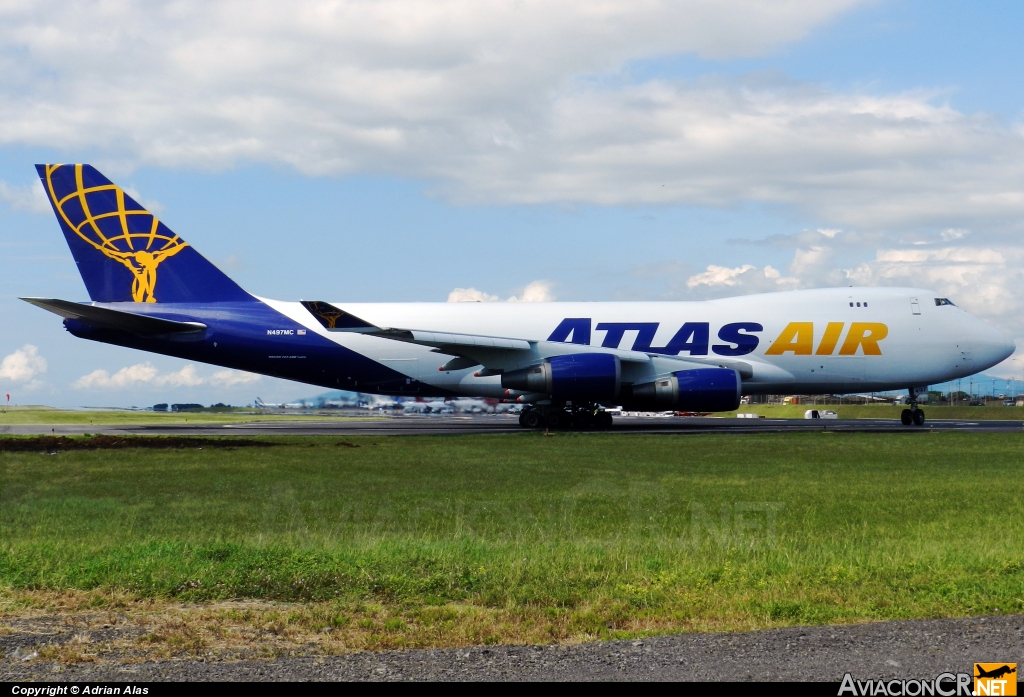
x=565 y=362
x=820 y=414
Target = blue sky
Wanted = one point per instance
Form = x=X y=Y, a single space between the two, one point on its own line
x=677 y=152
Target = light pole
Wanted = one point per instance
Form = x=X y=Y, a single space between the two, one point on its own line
x=1019 y=362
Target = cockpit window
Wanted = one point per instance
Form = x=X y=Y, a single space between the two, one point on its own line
x=943 y=301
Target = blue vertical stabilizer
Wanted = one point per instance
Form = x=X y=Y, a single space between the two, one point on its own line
x=123 y=252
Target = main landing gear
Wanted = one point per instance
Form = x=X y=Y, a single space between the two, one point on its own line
x=913 y=415
x=578 y=418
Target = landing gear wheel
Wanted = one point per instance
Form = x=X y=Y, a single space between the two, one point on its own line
x=906 y=417
x=603 y=419
x=554 y=419
x=582 y=420
x=530 y=419
x=919 y=417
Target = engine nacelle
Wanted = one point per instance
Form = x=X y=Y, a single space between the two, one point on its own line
x=701 y=389
x=578 y=376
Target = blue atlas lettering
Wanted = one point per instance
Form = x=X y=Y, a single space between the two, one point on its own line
x=645 y=333
x=692 y=337
x=578 y=327
x=745 y=343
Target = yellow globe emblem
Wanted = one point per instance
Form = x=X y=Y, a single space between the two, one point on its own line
x=132 y=236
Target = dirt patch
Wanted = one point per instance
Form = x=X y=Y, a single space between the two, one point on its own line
x=52 y=444
x=179 y=645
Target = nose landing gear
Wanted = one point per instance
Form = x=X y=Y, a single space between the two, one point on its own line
x=913 y=415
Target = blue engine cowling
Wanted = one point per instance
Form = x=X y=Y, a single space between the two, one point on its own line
x=701 y=389
x=578 y=376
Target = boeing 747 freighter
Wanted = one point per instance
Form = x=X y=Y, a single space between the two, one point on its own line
x=565 y=362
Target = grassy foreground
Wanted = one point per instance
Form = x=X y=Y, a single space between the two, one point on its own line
x=386 y=542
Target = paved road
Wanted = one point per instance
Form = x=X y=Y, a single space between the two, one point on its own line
x=912 y=649
x=460 y=425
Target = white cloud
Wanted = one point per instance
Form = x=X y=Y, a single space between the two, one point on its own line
x=829 y=237
x=984 y=281
x=859 y=160
x=230 y=378
x=471 y=295
x=518 y=101
x=126 y=377
x=500 y=101
x=29 y=198
x=747 y=278
x=718 y=276
x=23 y=365
x=809 y=262
x=147 y=374
x=186 y=377
x=535 y=292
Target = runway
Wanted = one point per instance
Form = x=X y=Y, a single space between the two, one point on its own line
x=416 y=425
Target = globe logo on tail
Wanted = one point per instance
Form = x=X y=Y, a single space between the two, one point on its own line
x=113 y=224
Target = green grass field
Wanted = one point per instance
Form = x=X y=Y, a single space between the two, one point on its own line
x=23 y=416
x=534 y=538
x=885 y=411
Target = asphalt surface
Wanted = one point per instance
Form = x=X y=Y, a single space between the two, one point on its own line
x=461 y=425
x=920 y=649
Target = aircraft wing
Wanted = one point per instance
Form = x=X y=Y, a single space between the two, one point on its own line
x=115 y=319
x=493 y=352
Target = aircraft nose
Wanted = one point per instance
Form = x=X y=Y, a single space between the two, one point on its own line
x=1009 y=348
x=993 y=346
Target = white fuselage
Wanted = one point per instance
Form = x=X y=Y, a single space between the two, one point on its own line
x=826 y=341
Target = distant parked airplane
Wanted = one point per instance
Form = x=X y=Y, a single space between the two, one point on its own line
x=565 y=362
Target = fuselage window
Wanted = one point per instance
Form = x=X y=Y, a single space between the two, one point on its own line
x=858 y=304
x=865 y=304
x=851 y=304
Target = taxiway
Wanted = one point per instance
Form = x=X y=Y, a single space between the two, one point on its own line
x=491 y=424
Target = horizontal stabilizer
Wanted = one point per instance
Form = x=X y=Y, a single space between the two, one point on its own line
x=115 y=319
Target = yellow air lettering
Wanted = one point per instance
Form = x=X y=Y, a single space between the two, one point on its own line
x=831 y=338
x=866 y=335
x=797 y=337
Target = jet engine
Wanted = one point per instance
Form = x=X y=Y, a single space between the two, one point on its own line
x=579 y=376
x=701 y=389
